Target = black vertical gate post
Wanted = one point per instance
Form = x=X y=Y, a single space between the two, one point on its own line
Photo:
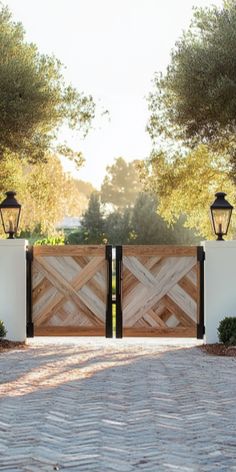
x=109 y=292
x=200 y=324
x=119 y=327
x=30 y=325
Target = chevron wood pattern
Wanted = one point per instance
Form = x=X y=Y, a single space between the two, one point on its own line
x=160 y=291
x=69 y=290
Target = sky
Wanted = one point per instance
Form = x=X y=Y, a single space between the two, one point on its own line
x=111 y=50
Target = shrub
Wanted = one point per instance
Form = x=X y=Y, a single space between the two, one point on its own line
x=227 y=330
x=77 y=237
x=52 y=241
x=3 y=330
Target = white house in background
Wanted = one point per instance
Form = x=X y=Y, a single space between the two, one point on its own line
x=69 y=222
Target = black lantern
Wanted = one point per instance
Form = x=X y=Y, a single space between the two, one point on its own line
x=10 y=214
x=221 y=212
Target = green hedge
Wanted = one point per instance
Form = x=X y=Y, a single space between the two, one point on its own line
x=227 y=330
x=3 y=330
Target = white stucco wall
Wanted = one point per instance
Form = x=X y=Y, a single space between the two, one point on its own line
x=13 y=287
x=220 y=285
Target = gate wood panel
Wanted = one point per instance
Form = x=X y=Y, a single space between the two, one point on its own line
x=70 y=291
x=160 y=291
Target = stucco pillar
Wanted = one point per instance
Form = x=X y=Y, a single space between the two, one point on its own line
x=219 y=285
x=13 y=287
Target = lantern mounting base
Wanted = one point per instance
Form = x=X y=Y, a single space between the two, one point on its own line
x=11 y=235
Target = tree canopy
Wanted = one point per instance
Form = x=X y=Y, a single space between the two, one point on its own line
x=139 y=224
x=193 y=120
x=45 y=191
x=121 y=185
x=195 y=100
x=35 y=101
x=86 y=188
x=118 y=227
x=186 y=185
x=93 y=221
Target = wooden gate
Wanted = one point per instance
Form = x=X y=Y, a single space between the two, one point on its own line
x=71 y=290
x=159 y=291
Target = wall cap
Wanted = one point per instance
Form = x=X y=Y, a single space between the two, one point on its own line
x=219 y=244
x=13 y=243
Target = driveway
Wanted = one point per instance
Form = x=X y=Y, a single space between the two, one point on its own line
x=89 y=404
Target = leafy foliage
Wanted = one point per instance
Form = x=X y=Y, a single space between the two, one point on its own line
x=118 y=227
x=148 y=227
x=193 y=108
x=77 y=237
x=3 y=331
x=121 y=185
x=138 y=225
x=46 y=193
x=227 y=330
x=195 y=100
x=93 y=221
x=186 y=184
x=34 y=99
x=84 y=188
x=52 y=241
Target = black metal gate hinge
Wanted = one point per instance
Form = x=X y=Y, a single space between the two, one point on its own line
x=201 y=255
x=29 y=255
x=109 y=252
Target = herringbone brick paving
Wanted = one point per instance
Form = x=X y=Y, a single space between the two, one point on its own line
x=107 y=406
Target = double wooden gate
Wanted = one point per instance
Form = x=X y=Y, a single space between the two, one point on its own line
x=154 y=291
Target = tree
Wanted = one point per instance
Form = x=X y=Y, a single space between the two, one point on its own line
x=85 y=188
x=138 y=225
x=93 y=221
x=195 y=100
x=46 y=193
x=148 y=227
x=121 y=184
x=118 y=227
x=186 y=185
x=34 y=99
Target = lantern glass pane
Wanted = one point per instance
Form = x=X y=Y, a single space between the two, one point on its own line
x=221 y=220
x=10 y=219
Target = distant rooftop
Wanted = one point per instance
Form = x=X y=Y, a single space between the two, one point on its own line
x=69 y=222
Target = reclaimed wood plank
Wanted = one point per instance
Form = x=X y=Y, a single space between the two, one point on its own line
x=178 y=332
x=68 y=289
x=175 y=308
x=164 y=251
x=184 y=301
x=155 y=315
x=186 y=284
x=139 y=271
x=41 y=312
x=68 y=331
x=70 y=250
x=192 y=275
x=171 y=272
x=156 y=269
x=39 y=290
x=88 y=272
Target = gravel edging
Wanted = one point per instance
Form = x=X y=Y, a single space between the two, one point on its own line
x=218 y=349
x=6 y=345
